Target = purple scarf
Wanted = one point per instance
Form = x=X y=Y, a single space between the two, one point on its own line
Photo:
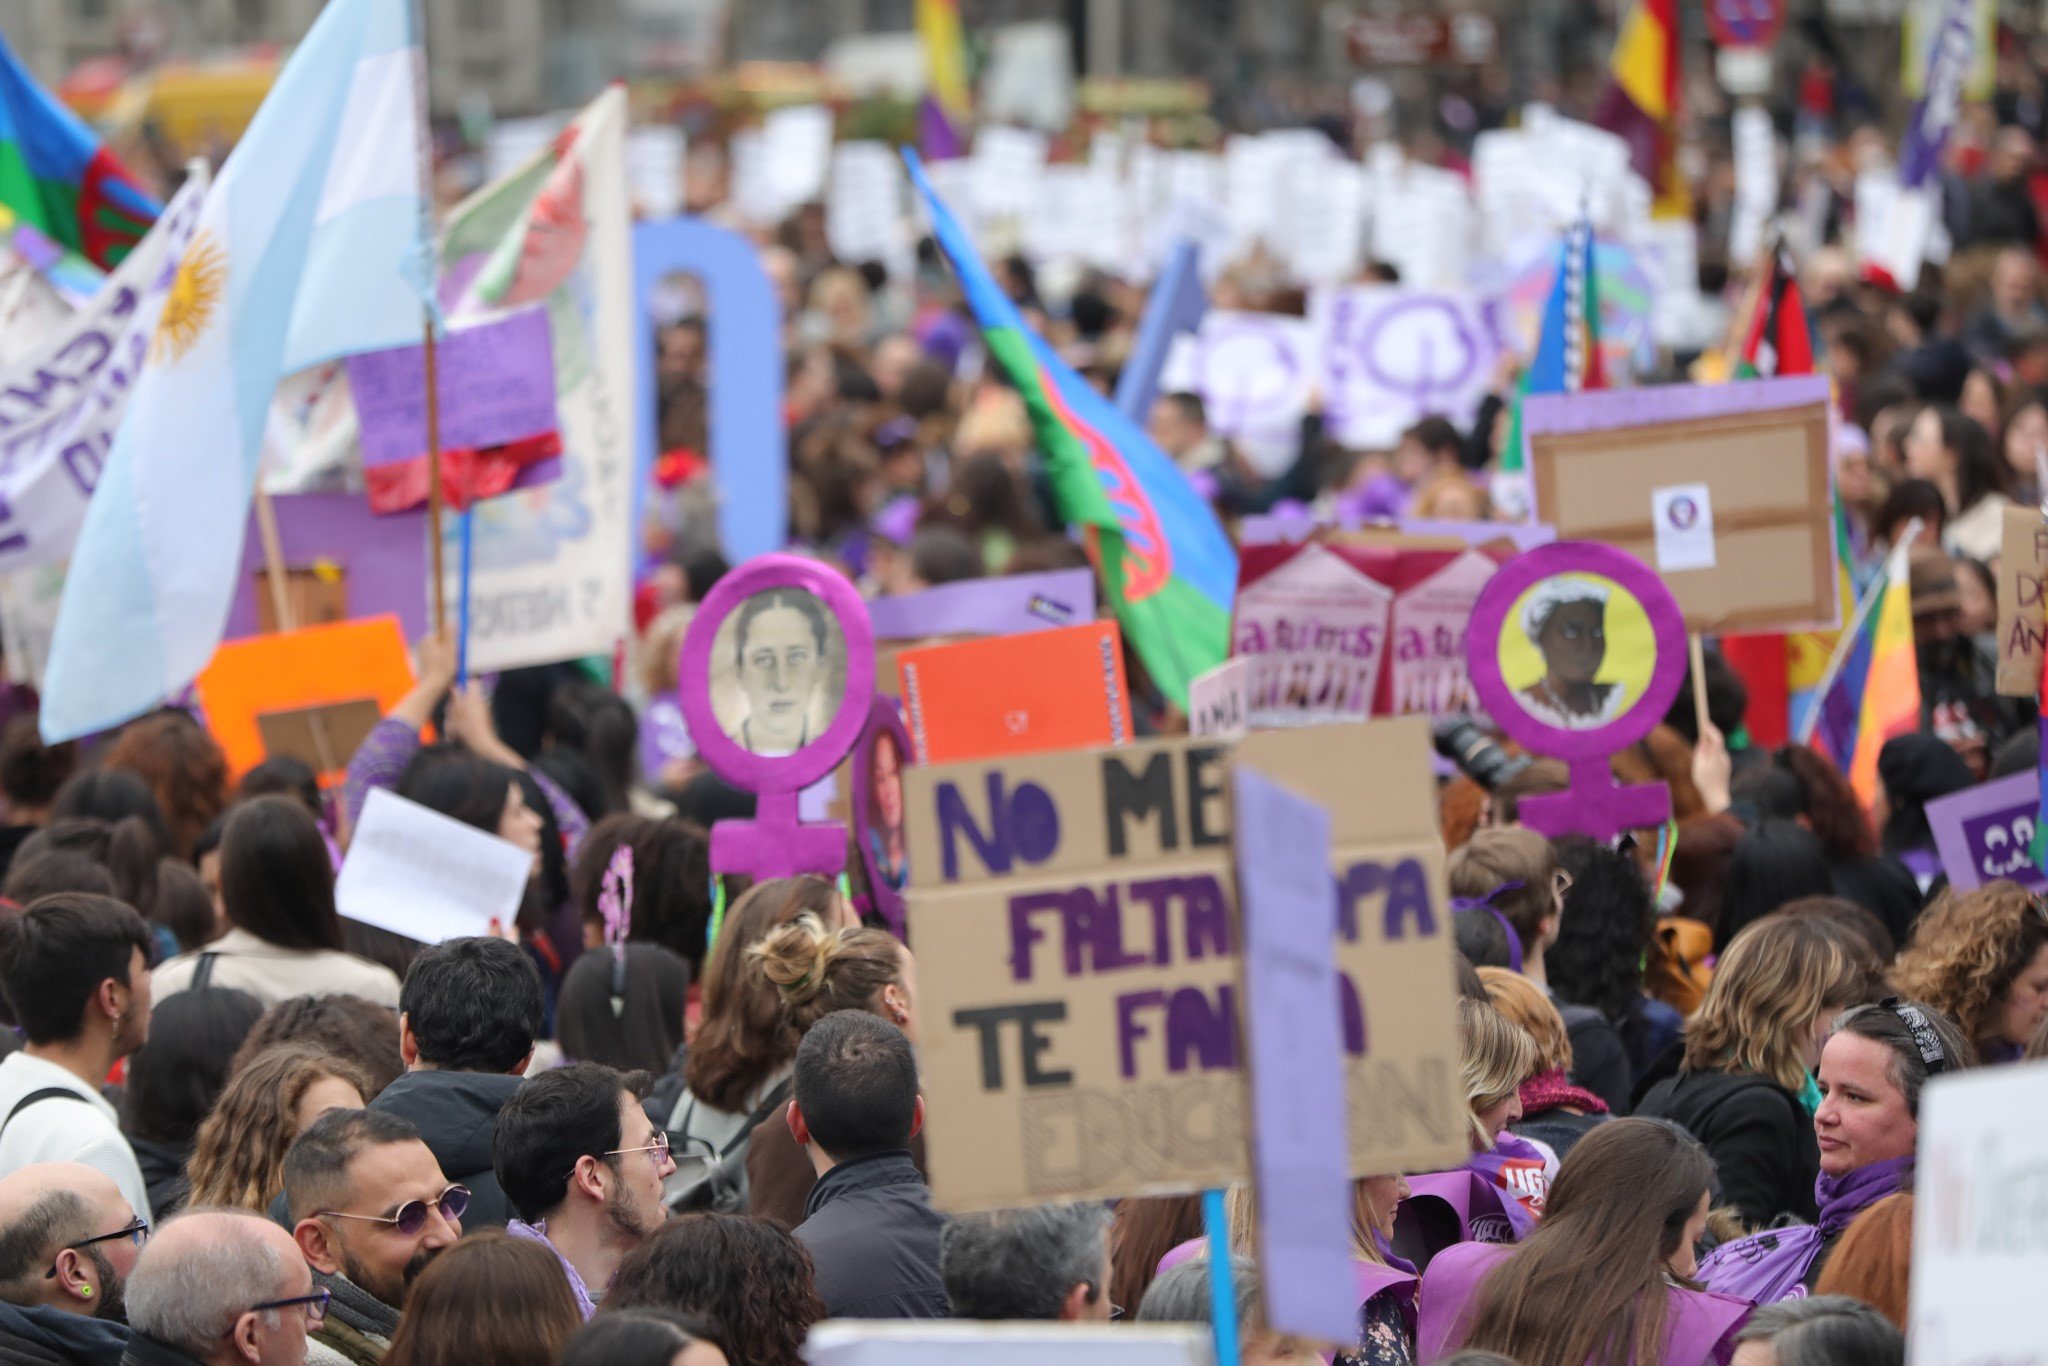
x=1844 y=1197
x=1517 y=1169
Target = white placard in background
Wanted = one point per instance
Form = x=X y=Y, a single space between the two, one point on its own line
x=848 y=1342
x=1684 y=518
x=1980 y=1243
x=421 y=874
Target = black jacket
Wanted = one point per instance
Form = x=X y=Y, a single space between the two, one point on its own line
x=457 y=1115
x=874 y=1238
x=44 y=1336
x=1759 y=1135
x=1599 y=1059
x=144 y=1351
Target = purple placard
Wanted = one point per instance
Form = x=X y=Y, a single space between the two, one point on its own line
x=384 y=558
x=497 y=385
x=878 y=829
x=1984 y=833
x=776 y=843
x=1606 y=409
x=988 y=607
x=1295 y=1044
x=1594 y=805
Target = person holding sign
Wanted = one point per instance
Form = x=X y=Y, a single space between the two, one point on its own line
x=1607 y=1277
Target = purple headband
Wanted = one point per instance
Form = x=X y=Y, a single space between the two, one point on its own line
x=1485 y=903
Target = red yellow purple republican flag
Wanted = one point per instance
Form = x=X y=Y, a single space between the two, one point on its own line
x=1641 y=104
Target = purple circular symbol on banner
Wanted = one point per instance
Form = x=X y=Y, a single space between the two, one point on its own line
x=1420 y=346
x=1685 y=513
x=1508 y=587
x=1248 y=368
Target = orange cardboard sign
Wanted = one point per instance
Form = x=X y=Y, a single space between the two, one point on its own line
x=1023 y=694
x=295 y=671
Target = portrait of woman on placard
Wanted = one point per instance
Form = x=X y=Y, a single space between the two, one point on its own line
x=778 y=672
x=887 y=857
x=1565 y=618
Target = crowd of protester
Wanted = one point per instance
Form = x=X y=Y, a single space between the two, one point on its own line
x=237 y=1127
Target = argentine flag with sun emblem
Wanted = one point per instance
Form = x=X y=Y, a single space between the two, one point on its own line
x=312 y=244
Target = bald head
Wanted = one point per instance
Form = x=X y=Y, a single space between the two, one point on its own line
x=201 y=1276
x=44 y=1209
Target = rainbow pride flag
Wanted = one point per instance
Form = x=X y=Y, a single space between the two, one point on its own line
x=1166 y=565
x=1641 y=103
x=58 y=176
x=948 y=107
x=1875 y=693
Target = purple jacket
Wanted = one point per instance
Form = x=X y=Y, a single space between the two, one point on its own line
x=1699 y=1328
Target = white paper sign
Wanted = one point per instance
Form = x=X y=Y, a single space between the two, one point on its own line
x=864 y=219
x=796 y=143
x=426 y=876
x=848 y=1342
x=1393 y=356
x=1980 y=1247
x=1684 y=517
x=1219 y=701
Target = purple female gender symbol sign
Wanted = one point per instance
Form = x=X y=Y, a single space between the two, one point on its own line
x=776 y=678
x=1579 y=720
x=1421 y=320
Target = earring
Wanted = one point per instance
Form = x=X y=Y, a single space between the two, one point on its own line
x=85 y=1292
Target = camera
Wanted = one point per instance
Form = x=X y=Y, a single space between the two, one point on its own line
x=1477 y=754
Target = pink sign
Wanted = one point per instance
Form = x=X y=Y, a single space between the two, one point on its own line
x=1314 y=630
x=1429 y=638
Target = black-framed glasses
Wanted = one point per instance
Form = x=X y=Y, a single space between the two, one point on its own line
x=412 y=1215
x=314 y=1304
x=139 y=1231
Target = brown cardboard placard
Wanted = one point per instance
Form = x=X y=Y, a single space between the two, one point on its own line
x=2022 y=617
x=1077 y=951
x=322 y=737
x=1759 y=450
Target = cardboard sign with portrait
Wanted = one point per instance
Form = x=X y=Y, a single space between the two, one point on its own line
x=1724 y=490
x=879 y=759
x=1078 y=947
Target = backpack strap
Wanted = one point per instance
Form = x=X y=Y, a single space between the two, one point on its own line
x=37 y=1098
x=772 y=1103
x=202 y=972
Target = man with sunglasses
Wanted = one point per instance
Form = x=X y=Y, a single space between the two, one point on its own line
x=370 y=1210
x=583 y=1166
x=68 y=1242
x=221 y=1288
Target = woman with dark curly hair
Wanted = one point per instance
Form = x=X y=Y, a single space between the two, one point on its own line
x=751 y=1279
x=1982 y=959
x=1877 y=882
x=1597 y=960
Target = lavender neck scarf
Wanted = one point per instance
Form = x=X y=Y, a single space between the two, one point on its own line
x=1844 y=1197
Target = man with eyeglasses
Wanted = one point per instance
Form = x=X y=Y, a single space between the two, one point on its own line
x=583 y=1166
x=221 y=1288
x=68 y=1243
x=370 y=1210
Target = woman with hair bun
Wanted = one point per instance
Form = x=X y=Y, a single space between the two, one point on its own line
x=1981 y=958
x=817 y=970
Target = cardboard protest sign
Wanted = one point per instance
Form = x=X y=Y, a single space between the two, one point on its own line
x=1987 y=833
x=879 y=758
x=1429 y=619
x=2022 y=602
x=1002 y=606
x=1978 y=1255
x=1049 y=690
x=1294 y=1040
x=1393 y=356
x=372 y=566
x=937 y=1342
x=426 y=876
x=293 y=671
x=1074 y=911
x=1314 y=625
x=1749 y=460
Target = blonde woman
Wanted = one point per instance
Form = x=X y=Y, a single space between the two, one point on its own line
x=238 y=1155
x=1497 y=1195
x=1746 y=1088
x=1555 y=1113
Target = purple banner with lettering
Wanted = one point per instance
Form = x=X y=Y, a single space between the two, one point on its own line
x=1984 y=833
x=496 y=380
x=1948 y=66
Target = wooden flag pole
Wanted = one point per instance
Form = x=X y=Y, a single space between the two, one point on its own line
x=1699 y=682
x=273 y=561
